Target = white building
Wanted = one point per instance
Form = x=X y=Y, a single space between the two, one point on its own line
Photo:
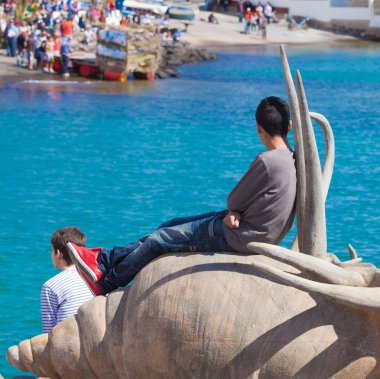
x=360 y=14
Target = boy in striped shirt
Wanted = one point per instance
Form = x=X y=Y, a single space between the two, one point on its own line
x=64 y=293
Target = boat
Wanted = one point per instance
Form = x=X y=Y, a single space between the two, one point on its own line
x=129 y=50
x=157 y=7
x=181 y=13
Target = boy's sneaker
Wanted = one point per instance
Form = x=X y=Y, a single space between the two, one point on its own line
x=86 y=260
x=93 y=287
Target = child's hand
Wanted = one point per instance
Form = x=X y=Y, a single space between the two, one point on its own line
x=232 y=220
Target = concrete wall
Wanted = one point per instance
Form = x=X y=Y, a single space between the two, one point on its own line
x=375 y=22
x=375 y=17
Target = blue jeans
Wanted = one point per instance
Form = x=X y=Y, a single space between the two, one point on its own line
x=65 y=63
x=11 y=46
x=202 y=233
x=65 y=50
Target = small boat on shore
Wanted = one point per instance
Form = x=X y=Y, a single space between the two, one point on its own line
x=156 y=7
x=181 y=13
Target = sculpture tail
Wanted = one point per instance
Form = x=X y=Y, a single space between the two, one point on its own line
x=87 y=345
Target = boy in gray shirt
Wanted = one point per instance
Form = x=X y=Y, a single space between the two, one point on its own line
x=261 y=208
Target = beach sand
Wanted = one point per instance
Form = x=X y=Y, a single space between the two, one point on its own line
x=228 y=34
x=8 y=67
x=216 y=37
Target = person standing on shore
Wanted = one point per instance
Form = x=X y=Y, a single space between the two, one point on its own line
x=65 y=51
x=268 y=12
x=31 y=49
x=11 y=33
x=248 y=17
x=49 y=55
x=261 y=208
x=67 y=33
x=63 y=294
x=22 y=48
x=40 y=55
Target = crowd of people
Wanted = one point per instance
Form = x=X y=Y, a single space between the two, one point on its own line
x=43 y=35
x=37 y=44
x=256 y=16
x=42 y=40
x=266 y=10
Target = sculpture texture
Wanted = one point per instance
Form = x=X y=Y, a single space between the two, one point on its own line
x=276 y=314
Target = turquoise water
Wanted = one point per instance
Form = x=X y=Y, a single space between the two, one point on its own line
x=117 y=162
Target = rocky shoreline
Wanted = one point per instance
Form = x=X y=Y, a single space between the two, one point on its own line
x=177 y=54
x=347 y=29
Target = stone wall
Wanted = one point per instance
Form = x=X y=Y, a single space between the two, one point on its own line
x=356 y=28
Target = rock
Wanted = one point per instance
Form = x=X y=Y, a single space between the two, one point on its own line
x=172 y=73
x=176 y=54
x=166 y=73
x=161 y=74
x=367 y=33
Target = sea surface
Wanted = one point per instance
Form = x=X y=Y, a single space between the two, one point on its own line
x=119 y=159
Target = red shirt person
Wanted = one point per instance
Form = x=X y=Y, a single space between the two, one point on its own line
x=248 y=14
x=67 y=28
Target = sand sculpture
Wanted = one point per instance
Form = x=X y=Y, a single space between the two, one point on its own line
x=278 y=314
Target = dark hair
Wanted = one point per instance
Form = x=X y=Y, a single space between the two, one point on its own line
x=62 y=236
x=272 y=115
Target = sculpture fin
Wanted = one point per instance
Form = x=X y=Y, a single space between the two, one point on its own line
x=318 y=268
x=356 y=297
x=314 y=239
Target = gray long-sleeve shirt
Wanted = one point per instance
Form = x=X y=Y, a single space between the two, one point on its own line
x=265 y=197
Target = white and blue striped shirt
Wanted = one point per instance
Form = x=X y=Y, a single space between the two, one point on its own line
x=61 y=296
